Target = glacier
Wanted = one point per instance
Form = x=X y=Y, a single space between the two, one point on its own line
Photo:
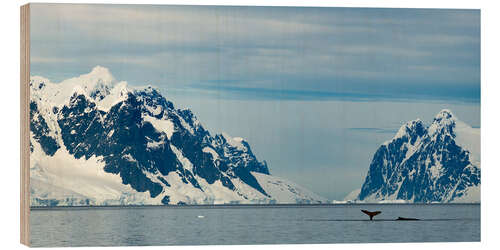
x=98 y=141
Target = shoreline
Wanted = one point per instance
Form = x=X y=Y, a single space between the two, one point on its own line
x=224 y=206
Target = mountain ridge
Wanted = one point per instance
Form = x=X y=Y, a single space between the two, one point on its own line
x=144 y=149
x=438 y=163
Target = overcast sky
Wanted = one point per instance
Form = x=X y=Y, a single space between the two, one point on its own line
x=314 y=90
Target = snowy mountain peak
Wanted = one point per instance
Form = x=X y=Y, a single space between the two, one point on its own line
x=411 y=128
x=96 y=84
x=236 y=142
x=98 y=76
x=444 y=115
x=440 y=163
x=443 y=124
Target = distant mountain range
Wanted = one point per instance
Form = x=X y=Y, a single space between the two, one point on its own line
x=438 y=163
x=97 y=141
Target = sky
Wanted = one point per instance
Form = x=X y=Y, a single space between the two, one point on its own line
x=314 y=91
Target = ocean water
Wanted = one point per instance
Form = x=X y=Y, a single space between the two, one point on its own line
x=120 y=226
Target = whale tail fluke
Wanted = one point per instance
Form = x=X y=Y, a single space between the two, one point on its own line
x=371 y=214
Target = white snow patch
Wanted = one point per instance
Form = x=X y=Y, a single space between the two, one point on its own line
x=377 y=198
x=117 y=94
x=186 y=125
x=154 y=144
x=211 y=151
x=285 y=191
x=393 y=201
x=353 y=195
x=61 y=174
x=45 y=191
x=154 y=111
x=129 y=158
x=235 y=142
x=216 y=193
x=435 y=171
x=184 y=161
x=165 y=126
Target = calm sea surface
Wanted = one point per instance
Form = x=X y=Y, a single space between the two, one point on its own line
x=252 y=225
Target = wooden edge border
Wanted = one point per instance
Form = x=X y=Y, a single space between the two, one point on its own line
x=25 y=151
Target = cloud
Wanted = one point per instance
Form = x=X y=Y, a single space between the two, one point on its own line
x=311 y=49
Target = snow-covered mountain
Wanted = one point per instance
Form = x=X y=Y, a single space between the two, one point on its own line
x=438 y=163
x=97 y=141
